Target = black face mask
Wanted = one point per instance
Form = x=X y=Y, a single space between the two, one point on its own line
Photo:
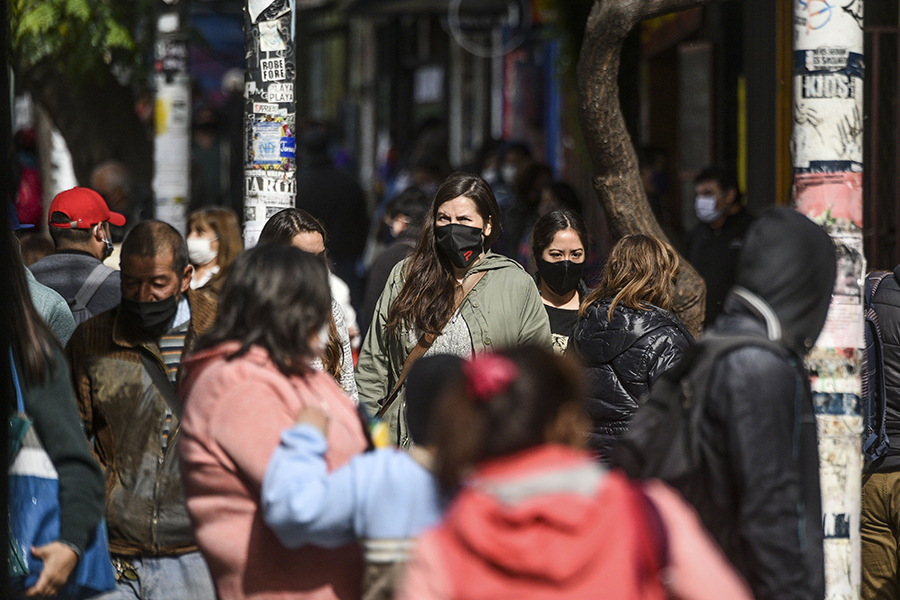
x=460 y=243
x=152 y=318
x=561 y=277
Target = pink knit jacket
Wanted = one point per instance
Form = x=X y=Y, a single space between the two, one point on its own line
x=234 y=413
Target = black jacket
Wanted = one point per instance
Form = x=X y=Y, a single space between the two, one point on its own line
x=624 y=357
x=763 y=466
x=764 y=471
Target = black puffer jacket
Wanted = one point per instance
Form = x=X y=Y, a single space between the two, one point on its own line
x=624 y=357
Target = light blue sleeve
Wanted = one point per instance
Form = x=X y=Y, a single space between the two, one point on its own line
x=302 y=503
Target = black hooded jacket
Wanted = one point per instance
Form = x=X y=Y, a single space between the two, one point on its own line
x=624 y=357
x=764 y=474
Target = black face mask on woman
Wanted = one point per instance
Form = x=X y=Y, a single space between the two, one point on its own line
x=561 y=277
x=460 y=243
x=153 y=318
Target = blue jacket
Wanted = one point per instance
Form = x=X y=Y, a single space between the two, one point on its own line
x=384 y=494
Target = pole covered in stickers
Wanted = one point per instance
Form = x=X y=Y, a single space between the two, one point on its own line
x=172 y=113
x=826 y=145
x=269 y=113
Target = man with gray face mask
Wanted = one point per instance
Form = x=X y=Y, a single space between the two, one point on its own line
x=125 y=366
x=715 y=242
x=79 y=225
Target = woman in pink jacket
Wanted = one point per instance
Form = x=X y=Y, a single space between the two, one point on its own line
x=536 y=517
x=243 y=386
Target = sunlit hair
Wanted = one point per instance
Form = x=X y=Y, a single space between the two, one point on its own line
x=471 y=428
x=276 y=297
x=286 y=224
x=546 y=228
x=426 y=300
x=224 y=223
x=281 y=229
x=640 y=271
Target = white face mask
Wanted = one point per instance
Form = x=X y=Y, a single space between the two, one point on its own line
x=508 y=172
x=705 y=207
x=199 y=251
x=322 y=340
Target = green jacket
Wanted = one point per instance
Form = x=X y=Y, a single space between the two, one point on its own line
x=504 y=310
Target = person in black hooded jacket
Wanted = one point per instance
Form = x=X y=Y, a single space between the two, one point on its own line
x=762 y=496
x=627 y=335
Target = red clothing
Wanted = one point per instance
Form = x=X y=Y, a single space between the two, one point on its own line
x=548 y=523
x=234 y=414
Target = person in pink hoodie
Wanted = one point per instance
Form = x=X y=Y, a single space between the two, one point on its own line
x=536 y=517
x=244 y=385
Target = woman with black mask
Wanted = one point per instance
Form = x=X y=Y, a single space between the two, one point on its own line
x=451 y=296
x=558 y=243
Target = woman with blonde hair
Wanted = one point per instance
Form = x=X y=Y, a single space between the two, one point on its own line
x=627 y=335
x=213 y=241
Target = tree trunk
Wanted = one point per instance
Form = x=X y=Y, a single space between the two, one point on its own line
x=616 y=176
x=96 y=117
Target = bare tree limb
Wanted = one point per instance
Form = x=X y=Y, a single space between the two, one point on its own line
x=616 y=176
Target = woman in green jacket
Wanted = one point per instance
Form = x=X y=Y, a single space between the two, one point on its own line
x=503 y=310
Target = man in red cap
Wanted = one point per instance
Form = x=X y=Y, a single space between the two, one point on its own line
x=79 y=226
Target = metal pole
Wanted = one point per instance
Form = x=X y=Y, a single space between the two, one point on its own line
x=270 y=183
x=172 y=117
x=828 y=164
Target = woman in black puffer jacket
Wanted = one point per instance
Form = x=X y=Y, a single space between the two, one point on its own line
x=626 y=335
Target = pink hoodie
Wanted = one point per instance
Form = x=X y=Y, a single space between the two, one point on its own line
x=234 y=414
x=548 y=523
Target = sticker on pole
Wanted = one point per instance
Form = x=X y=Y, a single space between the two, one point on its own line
x=280 y=92
x=267 y=143
x=272 y=9
x=270 y=39
x=273 y=69
x=288 y=148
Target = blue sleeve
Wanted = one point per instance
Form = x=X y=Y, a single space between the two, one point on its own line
x=302 y=503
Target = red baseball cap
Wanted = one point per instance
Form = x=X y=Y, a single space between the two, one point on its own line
x=85 y=208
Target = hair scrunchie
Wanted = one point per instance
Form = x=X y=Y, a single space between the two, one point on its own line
x=488 y=375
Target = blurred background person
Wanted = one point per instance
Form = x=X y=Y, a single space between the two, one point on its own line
x=627 y=335
x=403 y=218
x=250 y=376
x=535 y=516
x=298 y=228
x=213 y=241
x=558 y=245
x=424 y=304
x=337 y=200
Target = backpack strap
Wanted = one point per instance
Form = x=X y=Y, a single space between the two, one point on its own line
x=93 y=282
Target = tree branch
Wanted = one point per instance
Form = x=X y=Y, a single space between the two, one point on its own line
x=616 y=175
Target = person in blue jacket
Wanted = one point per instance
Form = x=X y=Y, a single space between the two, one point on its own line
x=385 y=498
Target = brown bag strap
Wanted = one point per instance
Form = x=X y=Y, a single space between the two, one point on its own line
x=426 y=340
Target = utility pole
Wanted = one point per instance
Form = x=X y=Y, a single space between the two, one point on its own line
x=172 y=115
x=269 y=151
x=827 y=154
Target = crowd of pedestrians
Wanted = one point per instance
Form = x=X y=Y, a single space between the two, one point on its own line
x=469 y=452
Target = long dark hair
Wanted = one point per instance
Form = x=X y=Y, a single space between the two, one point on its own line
x=552 y=223
x=474 y=427
x=33 y=342
x=275 y=297
x=281 y=229
x=426 y=299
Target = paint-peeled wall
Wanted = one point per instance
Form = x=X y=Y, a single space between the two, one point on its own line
x=269 y=113
x=828 y=167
